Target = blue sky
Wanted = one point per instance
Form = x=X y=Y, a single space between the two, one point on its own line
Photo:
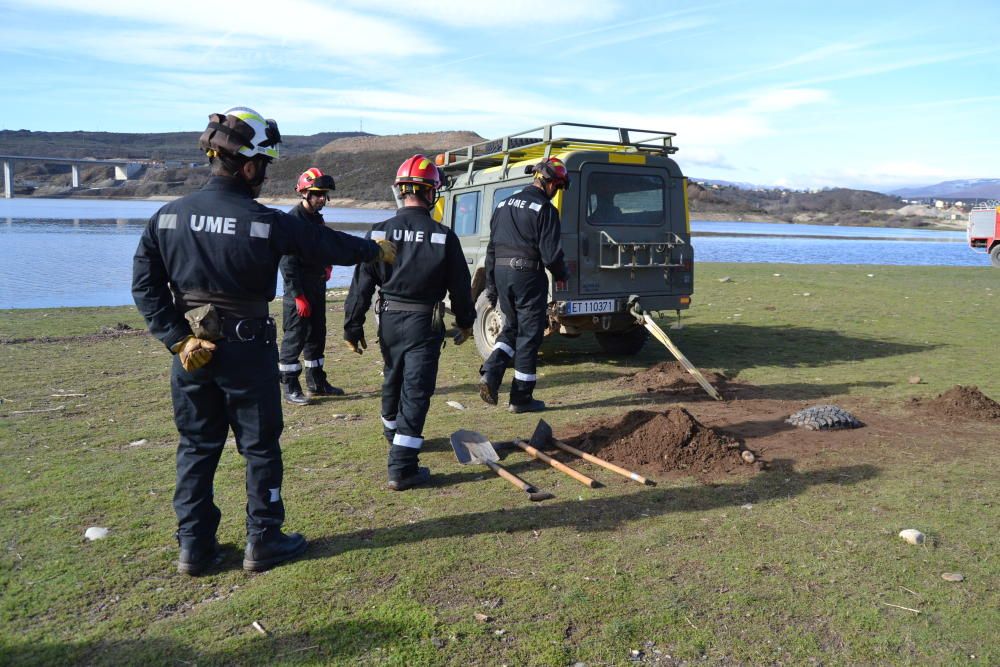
x=800 y=94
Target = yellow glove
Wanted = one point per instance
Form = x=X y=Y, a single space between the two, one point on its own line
x=193 y=352
x=462 y=336
x=359 y=345
x=386 y=251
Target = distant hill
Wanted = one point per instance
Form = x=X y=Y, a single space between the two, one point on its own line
x=975 y=188
x=181 y=146
x=426 y=142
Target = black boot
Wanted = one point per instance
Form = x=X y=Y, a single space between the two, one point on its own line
x=404 y=471
x=196 y=557
x=272 y=548
x=317 y=384
x=487 y=392
x=291 y=390
x=521 y=399
x=533 y=405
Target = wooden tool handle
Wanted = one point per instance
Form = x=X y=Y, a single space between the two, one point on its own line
x=561 y=467
x=601 y=462
x=510 y=477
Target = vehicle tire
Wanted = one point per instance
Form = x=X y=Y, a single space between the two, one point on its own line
x=622 y=343
x=489 y=323
x=995 y=256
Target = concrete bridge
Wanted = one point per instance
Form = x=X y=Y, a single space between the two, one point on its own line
x=124 y=169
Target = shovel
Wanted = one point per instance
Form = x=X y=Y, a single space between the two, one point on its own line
x=543 y=434
x=540 y=439
x=471 y=448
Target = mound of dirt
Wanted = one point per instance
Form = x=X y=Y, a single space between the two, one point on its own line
x=964 y=402
x=660 y=443
x=423 y=141
x=671 y=378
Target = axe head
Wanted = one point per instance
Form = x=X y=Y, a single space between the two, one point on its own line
x=542 y=437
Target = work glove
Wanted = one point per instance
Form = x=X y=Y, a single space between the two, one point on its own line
x=327 y=272
x=302 y=306
x=193 y=352
x=491 y=295
x=462 y=336
x=386 y=251
x=358 y=344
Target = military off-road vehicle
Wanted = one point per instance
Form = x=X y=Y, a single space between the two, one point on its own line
x=625 y=225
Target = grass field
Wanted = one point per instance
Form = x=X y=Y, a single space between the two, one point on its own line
x=800 y=564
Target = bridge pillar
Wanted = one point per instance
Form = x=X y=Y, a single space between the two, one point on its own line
x=8 y=179
x=76 y=175
x=127 y=171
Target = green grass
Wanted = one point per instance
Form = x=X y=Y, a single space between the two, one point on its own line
x=680 y=569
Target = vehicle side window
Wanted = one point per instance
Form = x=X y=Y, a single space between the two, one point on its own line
x=503 y=193
x=625 y=199
x=465 y=214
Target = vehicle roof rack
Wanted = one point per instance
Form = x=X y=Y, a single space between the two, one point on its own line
x=539 y=143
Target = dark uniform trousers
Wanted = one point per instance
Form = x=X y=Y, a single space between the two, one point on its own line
x=303 y=335
x=522 y=295
x=238 y=389
x=411 y=348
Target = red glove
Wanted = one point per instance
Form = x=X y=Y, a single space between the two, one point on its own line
x=329 y=272
x=302 y=306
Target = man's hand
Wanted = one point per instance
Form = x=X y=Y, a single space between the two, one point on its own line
x=386 y=251
x=302 y=306
x=327 y=272
x=358 y=345
x=193 y=352
x=462 y=336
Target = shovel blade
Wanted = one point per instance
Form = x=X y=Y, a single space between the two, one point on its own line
x=472 y=448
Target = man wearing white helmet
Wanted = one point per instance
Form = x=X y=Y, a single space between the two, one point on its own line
x=203 y=274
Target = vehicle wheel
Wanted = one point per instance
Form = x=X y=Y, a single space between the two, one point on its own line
x=622 y=343
x=489 y=324
x=995 y=256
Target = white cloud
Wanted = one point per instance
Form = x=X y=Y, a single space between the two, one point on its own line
x=503 y=16
x=784 y=99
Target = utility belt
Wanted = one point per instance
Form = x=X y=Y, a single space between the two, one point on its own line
x=436 y=309
x=519 y=263
x=211 y=323
x=225 y=305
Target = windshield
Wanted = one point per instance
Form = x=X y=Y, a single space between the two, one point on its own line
x=625 y=199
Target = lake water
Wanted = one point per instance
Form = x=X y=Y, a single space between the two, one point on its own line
x=78 y=252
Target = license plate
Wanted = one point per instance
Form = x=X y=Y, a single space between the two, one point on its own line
x=593 y=307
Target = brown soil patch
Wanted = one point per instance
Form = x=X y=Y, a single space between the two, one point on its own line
x=963 y=402
x=662 y=443
x=669 y=377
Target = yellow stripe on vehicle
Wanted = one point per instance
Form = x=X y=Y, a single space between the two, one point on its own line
x=626 y=158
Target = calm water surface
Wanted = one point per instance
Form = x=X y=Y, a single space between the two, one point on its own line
x=73 y=252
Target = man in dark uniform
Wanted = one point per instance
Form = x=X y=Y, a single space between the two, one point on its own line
x=524 y=241
x=304 y=301
x=203 y=274
x=411 y=327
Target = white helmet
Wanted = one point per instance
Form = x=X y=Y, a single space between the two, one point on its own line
x=242 y=131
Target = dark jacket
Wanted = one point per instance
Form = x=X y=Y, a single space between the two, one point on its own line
x=303 y=277
x=429 y=262
x=526 y=225
x=220 y=242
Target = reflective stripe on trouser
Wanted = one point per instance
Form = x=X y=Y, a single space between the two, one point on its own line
x=410 y=351
x=303 y=335
x=522 y=297
x=238 y=389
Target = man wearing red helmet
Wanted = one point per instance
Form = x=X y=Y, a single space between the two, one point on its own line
x=304 y=301
x=429 y=262
x=524 y=241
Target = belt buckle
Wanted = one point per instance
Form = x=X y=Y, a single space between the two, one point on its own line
x=239 y=334
x=516 y=263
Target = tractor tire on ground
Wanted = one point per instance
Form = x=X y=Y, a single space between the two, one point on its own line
x=489 y=323
x=995 y=256
x=823 y=418
x=622 y=343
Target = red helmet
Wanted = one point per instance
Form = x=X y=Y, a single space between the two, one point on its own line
x=418 y=170
x=553 y=170
x=315 y=180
